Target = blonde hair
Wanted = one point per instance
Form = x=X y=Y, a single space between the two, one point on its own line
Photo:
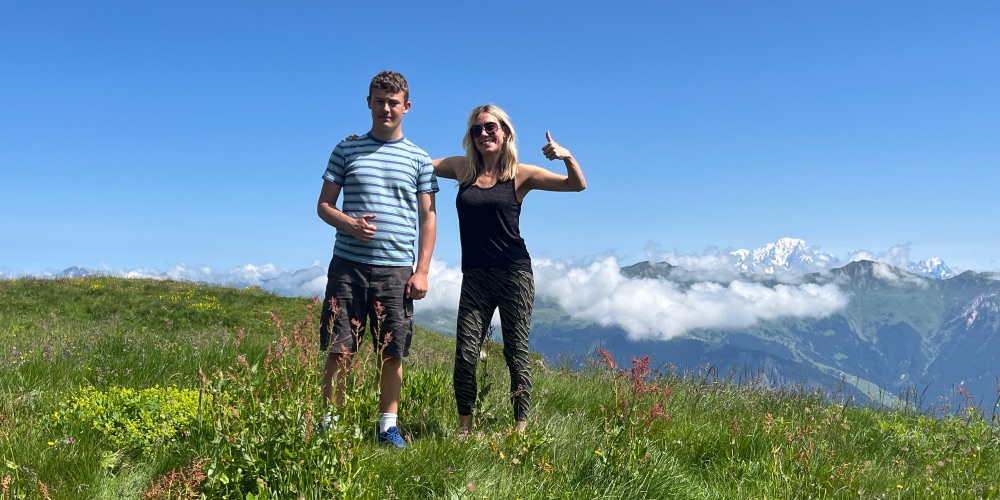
x=507 y=163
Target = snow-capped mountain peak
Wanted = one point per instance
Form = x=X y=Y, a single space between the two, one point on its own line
x=933 y=267
x=795 y=256
x=784 y=255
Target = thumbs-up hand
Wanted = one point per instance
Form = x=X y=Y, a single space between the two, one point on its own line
x=552 y=150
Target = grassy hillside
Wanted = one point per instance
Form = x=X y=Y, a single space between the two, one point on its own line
x=118 y=388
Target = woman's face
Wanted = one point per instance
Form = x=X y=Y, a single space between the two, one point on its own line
x=490 y=137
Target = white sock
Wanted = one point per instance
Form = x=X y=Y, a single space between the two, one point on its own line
x=385 y=421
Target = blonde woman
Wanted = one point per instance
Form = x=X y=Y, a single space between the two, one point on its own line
x=496 y=267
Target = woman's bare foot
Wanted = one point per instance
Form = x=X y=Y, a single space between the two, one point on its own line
x=464 y=426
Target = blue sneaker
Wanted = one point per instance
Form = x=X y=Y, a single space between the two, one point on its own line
x=391 y=437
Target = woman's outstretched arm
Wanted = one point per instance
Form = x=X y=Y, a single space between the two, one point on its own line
x=533 y=177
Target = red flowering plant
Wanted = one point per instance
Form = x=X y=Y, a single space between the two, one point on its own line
x=630 y=419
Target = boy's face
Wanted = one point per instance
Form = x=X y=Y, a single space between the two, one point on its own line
x=387 y=109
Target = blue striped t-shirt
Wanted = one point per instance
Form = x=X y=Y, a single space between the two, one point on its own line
x=381 y=178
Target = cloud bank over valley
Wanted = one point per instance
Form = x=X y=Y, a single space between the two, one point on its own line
x=717 y=289
x=658 y=309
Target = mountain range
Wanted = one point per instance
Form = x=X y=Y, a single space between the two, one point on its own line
x=900 y=334
x=918 y=331
x=905 y=327
x=795 y=256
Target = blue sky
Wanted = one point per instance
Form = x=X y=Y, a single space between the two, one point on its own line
x=152 y=134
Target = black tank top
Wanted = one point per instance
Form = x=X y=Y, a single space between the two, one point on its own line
x=488 y=222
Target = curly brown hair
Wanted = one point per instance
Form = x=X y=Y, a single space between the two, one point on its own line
x=391 y=82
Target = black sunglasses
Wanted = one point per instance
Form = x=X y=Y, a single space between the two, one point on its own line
x=489 y=127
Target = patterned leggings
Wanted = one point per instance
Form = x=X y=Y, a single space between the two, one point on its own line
x=483 y=291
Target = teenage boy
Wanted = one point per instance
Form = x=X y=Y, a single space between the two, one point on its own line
x=388 y=185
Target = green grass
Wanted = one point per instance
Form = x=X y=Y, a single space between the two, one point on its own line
x=119 y=388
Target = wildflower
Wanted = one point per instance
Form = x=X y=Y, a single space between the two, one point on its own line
x=607 y=359
x=638 y=372
x=658 y=412
x=43 y=491
x=470 y=487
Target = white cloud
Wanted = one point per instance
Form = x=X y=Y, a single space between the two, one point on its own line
x=705 y=297
x=715 y=265
x=658 y=309
x=444 y=288
x=897 y=255
x=887 y=272
x=595 y=291
x=861 y=255
x=711 y=260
